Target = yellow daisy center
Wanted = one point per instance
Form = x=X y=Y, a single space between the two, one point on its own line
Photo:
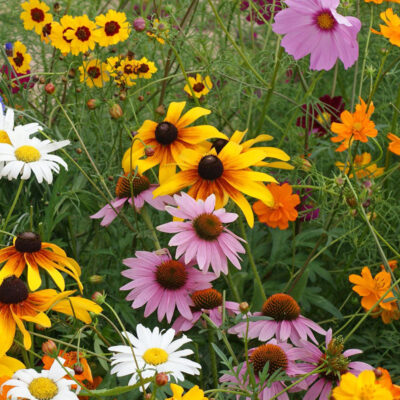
x=367 y=392
x=155 y=356
x=325 y=20
x=43 y=388
x=357 y=126
x=324 y=118
x=27 y=154
x=4 y=137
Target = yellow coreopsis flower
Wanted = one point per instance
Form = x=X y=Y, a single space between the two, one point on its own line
x=145 y=68
x=200 y=86
x=114 y=28
x=35 y=15
x=20 y=59
x=195 y=393
x=82 y=35
x=58 y=33
x=94 y=73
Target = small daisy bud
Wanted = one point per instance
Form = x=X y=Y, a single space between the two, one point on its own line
x=78 y=369
x=42 y=80
x=140 y=98
x=122 y=95
x=57 y=7
x=92 y=104
x=49 y=348
x=139 y=24
x=367 y=184
x=98 y=297
x=71 y=73
x=50 y=88
x=149 y=151
x=160 y=110
x=353 y=212
x=244 y=307
x=161 y=27
x=351 y=201
x=110 y=178
x=96 y=279
x=161 y=379
x=306 y=165
x=366 y=203
x=116 y=111
x=79 y=150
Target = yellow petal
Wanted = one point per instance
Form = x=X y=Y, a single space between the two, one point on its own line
x=34 y=279
x=191 y=116
x=275 y=153
x=178 y=182
x=26 y=336
x=176 y=391
x=275 y=164
x=9 y=365
x=40 y=319
x=200 y=133
x=7 y=332
x=238 y=136
x=174 y=112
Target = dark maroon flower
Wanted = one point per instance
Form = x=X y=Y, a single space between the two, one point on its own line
x=319 y=117
x=265 y=8
x=306 y=208
x=15 y=85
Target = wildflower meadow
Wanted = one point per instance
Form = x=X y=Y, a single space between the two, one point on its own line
x=199 y=199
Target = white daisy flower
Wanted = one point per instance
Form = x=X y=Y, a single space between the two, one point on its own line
x=155 y=352
x=25 y=155
x=46 y=385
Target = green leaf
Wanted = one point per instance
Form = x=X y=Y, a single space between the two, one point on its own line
x=114 y=391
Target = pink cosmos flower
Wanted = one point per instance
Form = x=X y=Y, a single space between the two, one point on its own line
x=314 y=27
x=163 y=283
x=279 y=355
x=287 y=322
x=203 y=237
x=334 y=358
x=142 y=191
x=208 y=301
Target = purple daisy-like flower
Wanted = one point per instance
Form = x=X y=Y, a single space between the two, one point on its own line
x=314 y=27
x=279 y=356
x=142 y=191
x=336 y=361
x=163 y=283
x=286 y=322
x=203 y=237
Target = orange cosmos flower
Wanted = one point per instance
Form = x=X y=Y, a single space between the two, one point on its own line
x=363 y=167
x=386 y=381
x=283 y=210
x=28 y=251
x=71 y=361
x=391 y=30
x=354 y=126
x=392 y=265
x=394 y=145
x=381 y=1
x=91 y=386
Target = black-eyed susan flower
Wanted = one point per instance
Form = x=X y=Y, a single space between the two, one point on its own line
x=82 y=35
x=8 y=365
x=29 y=252
x=227 y=174
x=58 y=32
x=20 y=59
x=18 y=305
x=200 y=86
x=145 y=68
x=35 y=15
x=114 y=28
x=168 y=139
x=94 y=73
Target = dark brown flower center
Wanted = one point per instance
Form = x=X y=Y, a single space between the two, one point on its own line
x=219 y=144
x=13 y=291
x=94 y=72
x=210 y=167
x=28 y=242
x=268 y=353
x=281 y=307
x=208 y=226
x=64 y=37
x=18 y=59
x=46 y=30
x=83 y=33
x=139 y=184
x=171 y=275
x=166 y=133
x=207 y=299
x=111 y=28
x=198 y=87
x=37 y=14
x=143 y=68
x=128 y=69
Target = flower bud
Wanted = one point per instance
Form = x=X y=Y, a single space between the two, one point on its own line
x=116 y=111
x=160 y=110
x=149 y=151
x=49 y=348
x=110 y=178
x=57 y=7
x=79 y=150
x=244 y=307
x=92 y=104
x=42 y=80
x=98 y=297
x=140 y=98
x=96 y=279
x=378 y=372
x=71 y=73
x=50 y=88
x=122 y=95
x=161 y=379
x=78 y=369
x=139 y=24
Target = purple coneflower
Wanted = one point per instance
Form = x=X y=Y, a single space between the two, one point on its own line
x=286 y=323
x=203 y=237
x=163 y=284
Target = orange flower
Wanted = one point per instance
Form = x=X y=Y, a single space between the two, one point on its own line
x=390 y=315
x=363 y=167
x=381 y=1
x=394 y=145
x=386 y=381
x=71 y=359
x=91 y=386
x=354 y=126
x=392 y=265
x=283 y=210
x=4 y=390
x=372 y=289
x=392 y=28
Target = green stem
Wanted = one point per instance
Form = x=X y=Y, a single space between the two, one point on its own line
x=213 y=357
x=371 y=17
x=147 y=220
x=11 y=210
x=232 y=287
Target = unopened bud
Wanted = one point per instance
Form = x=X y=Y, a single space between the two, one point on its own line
x=35 y=78
x=140 y=98
x=122 y=95
x=71 y=73
x=149 y=151
x=160 y=110
x=78 y=369
x=42 y=80
x=98 y=297
x=49 y=348
x=378 y=372
x=79 y=150
x=351 y=201
x=110 y=178
x=57 y=7
x=161 y=379
x=96 y=279
x=139 y=24
x=64 y=79
x=147 y=396
x=244 y=307
x=50 y=88
x=92 y=104
x=78 y=90
x=116 y=111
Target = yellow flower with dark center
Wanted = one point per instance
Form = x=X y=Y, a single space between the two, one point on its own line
x=199 y=86
x=82 y=35
x=46 y=32
x=126 y=72
x=363 y=167
x=28 y=251
x=145 y=68
x=168 y=139
x=20 y=59
x=227 y=174
x=35 y=15
x=114 y=28
x=94 y=73
x=58 y=33
x=195 y=393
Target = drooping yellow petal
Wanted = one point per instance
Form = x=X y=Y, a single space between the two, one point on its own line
x=192 y=115
x=34 y=279
x=26 y=336
x=175 y=184
x=199 y=133
x=275 y=164
x=7 y=332
x=174 y=112
x=78 y=307
x=9 y=365
x=238 y=136
x=243 y=204
x=41 y=319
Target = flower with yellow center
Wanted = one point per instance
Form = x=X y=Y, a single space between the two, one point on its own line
x=363 y=387
x=114 y=28
x=82 y=35
x=20 y=59
x=94 y=73
x=363 y=167
x=227 y=174
x=155 y=352
x=35 y=15
x=195 y=393
x=200 y=86
x=145 y=68
x=168 y=139
x=45 y=385
x=58 y=33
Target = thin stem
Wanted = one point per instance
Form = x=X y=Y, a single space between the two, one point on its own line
x=147 y=220
x=371 y=17
x=213 y=357
x=11 y=210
